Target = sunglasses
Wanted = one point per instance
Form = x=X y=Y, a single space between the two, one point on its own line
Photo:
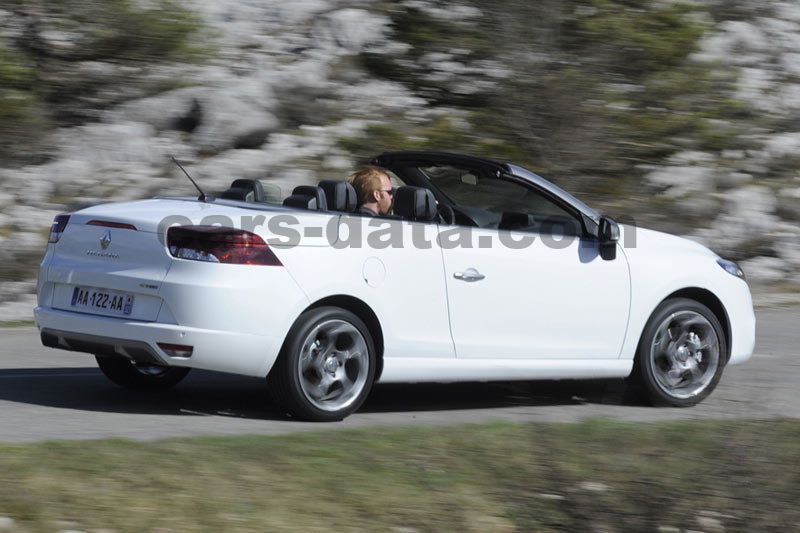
x=390 y=191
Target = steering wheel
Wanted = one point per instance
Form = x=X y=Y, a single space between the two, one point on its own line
x=446 y=214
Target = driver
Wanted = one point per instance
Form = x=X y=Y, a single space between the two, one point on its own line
x=374 y=189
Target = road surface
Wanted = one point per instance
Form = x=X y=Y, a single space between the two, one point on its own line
x=50 y=394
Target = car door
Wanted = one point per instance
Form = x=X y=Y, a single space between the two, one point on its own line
x=528 y=283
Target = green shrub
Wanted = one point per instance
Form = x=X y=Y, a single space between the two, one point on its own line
x=596 y=87
x=120 y=30
x=39 y=83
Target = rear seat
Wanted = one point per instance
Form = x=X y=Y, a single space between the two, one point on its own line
x=330 y=195
x=341 y=195
x=307 y=197
x=246 y=191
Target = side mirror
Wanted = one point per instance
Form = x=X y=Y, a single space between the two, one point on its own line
x=608 y=234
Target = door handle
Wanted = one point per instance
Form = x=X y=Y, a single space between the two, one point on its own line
x=469 y=275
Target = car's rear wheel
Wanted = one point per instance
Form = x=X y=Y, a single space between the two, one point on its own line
x=681 y=354
x=131 y=375
x=326 y=367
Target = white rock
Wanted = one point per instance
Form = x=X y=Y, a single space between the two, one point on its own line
x=735 y=42
x=374 y=96
x=312 y=73
x=734 y=179
x=753 y=199
x=787 y=10
x=747 y=222
x=60 y=39
x=753 y=87
x=547 y=496
x=788 y=249
x=710 y=524
x=6 y=199
x=352 y=29
x=745 y=35
x=6 y=523
x=594 y=486
x=31 y=218
x=788 y=96
x=690 y=157
x=161 y=111
x=24 y=243
x=219 y=171
x=29 y=185
x=783 y=145
x=453 y=12
x=21 y=309
x=298 y=11
x=791 y=63
x=765 y=269
x=682 y=180
x=338 y=162
x=733 y=154
x=229 y=121
x=789 y=203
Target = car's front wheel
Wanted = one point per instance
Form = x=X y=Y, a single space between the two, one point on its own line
x=326 y=367
x=681 y=354
x=131 y=375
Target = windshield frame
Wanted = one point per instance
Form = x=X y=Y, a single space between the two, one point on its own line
x=553 y=189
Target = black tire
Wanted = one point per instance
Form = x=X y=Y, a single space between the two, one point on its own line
x=130 y=375
x=644 y=378
x=284 y=380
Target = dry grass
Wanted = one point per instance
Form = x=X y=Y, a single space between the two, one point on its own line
x=498 y=477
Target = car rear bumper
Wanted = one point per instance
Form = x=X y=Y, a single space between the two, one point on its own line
x=223 y=351
x=137 y=351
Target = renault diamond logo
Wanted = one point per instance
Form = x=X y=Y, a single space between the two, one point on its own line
x=105 y=242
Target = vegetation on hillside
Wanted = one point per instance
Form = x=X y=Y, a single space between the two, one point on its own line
x=593 y=88
x=62 y=62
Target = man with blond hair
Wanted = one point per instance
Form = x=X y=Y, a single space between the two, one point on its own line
x=374 y=190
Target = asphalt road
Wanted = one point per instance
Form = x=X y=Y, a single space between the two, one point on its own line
x=50 y=394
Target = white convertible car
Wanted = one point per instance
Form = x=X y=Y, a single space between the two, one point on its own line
x=485 y=271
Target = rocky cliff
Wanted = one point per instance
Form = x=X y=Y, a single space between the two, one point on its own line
x=683 y=116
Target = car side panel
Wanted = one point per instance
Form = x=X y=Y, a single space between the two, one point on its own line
x=551 y=301
x=403 y=284
x=661 y=265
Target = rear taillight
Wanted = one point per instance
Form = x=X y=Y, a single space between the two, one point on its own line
x=58 y=227
x=217 y=244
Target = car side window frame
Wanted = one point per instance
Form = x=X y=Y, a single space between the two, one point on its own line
x=559 y=202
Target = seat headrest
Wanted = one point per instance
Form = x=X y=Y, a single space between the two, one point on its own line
x=235 y=193
x=254 y=191
x=415 y=203
x=302 y=201
x=341 y=195
x=314 y=192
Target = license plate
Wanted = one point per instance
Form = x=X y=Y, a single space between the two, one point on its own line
x=102 y=300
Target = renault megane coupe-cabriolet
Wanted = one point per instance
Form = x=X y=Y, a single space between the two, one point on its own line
x=484 y=271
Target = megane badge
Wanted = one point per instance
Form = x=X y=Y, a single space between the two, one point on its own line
x=105 y=242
